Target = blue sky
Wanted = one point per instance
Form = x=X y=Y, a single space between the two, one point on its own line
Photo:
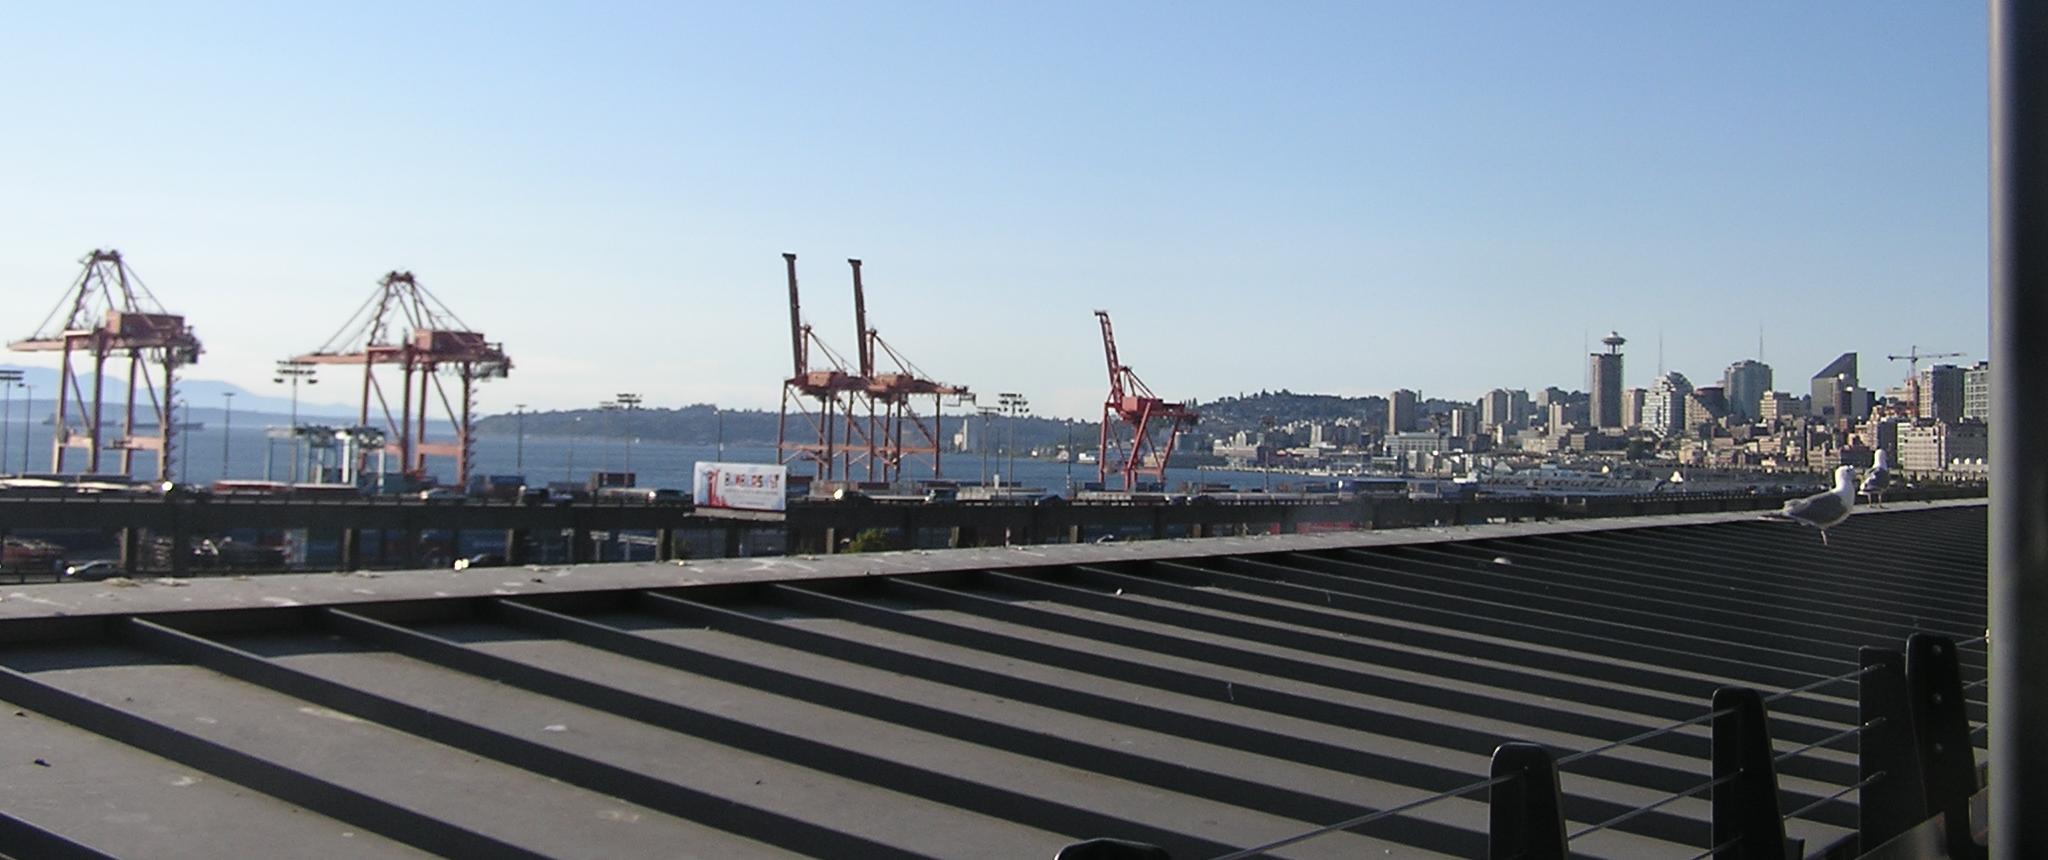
x=1342 y=197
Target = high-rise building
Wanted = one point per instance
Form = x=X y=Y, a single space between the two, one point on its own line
x=1776 y=406
x=1403 y=407
x=1503 y=407
x=1941 y=393
x=1559 y=418
x=1604 y=369
x=1934 y=446
x=1664 y=410
x=1705 y=406
x=1831 y=388
x=1632 y=406
x=1744 y=384
x=1977 y=393
x=1461 y=423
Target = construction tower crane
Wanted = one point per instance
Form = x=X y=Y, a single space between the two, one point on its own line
x=1912 y=359
x=108 y=312
x=1140 y=439
x=405 y=325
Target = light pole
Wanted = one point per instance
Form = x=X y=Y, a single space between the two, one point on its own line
x=294 y=371
x=519 y=455
x=28 y=407
x=8 y=380
x=1013 y=404
x=720 y=415
x=227 y=428
x=184 y=465
x=628 y=402
x=986 y=412
x=604 y=441
x=1070 y=457
x=1265 y=460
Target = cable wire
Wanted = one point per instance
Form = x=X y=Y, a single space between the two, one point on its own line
x=1367 y=818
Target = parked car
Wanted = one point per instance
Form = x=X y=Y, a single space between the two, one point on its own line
x=92 y=571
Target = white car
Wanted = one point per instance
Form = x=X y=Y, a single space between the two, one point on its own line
x=92 y=571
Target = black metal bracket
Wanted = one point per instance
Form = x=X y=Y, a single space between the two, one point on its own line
x=1893 y=803
x=1941 y=729
x=1525 y=815
x=1747 y=825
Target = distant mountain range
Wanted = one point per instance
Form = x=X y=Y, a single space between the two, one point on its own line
x=202 y=396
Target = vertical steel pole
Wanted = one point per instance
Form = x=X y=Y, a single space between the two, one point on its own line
x=227 y=428
x=7 y=385
x=2019 y=479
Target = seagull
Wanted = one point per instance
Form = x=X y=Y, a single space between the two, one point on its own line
x=1880 y=477
x=1822 y=510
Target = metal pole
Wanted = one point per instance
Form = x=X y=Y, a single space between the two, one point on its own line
x=185 y=464
x=227 y=427
x=519 y=457
x=2019 y=478
x=8 y=379
x=28 y=407
x=720 y=413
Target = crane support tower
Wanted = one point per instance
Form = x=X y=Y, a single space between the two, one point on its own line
x=898 y=428
x=402 y=324
x=1138 y=428
x=1912 y=358
x=821 y=402
x=109 y=313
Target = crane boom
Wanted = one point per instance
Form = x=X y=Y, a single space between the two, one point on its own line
x=864 y=343
x=1116 y=370
x=796 y=321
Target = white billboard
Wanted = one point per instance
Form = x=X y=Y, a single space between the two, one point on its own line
x=751 y=486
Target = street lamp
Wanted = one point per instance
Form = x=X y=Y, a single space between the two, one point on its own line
x=28 y=407
x=227 y=427
x=604 y=441
x=519 y=455
x=1265 y=459
x=628 y=402
x=184 y=465
x=8 y=380
x=986 y=412
x=1013 y=405
x=294 y=371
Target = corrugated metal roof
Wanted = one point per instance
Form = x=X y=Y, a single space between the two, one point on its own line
x=1202 y=695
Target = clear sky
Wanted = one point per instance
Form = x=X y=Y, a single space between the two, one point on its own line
x=1345 y=197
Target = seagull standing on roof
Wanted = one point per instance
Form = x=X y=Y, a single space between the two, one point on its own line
x=1880 y=477
x=1825 y=509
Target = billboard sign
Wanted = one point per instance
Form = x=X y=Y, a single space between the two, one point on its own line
x=747 y=486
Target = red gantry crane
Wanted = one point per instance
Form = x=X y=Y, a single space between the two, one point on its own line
x=898 y=394
x=405 y=325
x=108 y=313
x=833 y=390
x=1138 y=428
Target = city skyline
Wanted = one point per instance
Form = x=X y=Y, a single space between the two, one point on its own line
x=269 y=399
x=1364 y=197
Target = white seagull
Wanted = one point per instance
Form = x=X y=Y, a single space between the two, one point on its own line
x=1825 y=509
x=1880 y=477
